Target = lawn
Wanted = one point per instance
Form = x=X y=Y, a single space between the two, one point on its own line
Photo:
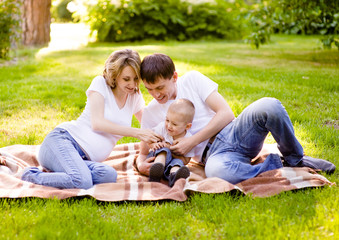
x=42 y=90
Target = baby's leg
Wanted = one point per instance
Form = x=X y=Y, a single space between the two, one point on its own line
x=161 y=158
x=157 y=169
x=174 y=169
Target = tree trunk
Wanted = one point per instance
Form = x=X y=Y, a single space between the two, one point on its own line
x=36 y=21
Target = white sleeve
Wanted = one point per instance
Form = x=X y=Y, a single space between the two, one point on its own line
x=98 y=85
x=147 y=121
x=202 y=85
x=159 y=129
x=153 y=114
x=139 y=102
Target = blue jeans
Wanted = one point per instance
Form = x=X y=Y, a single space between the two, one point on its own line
x=170 y=161
x=241 y=140
x=62 y=155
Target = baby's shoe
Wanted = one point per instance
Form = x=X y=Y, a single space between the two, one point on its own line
x=183 y=172
x=156 y=172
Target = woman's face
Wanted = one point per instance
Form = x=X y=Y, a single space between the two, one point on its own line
x=127 y=81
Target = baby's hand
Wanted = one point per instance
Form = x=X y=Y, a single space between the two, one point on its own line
x=166 y=145
x=157 y=145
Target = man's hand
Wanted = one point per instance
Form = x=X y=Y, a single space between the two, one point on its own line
x=144 y=164
x=182 y=146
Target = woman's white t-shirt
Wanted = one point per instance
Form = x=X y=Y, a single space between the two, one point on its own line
x=98 y=145
x=195 y=87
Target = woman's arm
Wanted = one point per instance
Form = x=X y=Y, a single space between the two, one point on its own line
x=99 y=123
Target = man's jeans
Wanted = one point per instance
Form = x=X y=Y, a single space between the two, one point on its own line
x=70 y=167
x=170 y=161
x=241 y=140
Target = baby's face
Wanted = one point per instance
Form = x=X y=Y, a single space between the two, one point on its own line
x=175 y=124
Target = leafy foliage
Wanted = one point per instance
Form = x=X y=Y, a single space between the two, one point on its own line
x=9 y=22
x=165 y=19
x=293 y=17
x=261 y=25
x=328 y=40
x=305 y=16
x=60 y=13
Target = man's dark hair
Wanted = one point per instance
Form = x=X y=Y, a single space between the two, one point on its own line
x=155 y=66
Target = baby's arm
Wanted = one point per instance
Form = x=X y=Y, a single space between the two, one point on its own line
x=157 y=145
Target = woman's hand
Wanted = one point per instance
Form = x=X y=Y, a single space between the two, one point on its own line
x=148 y=136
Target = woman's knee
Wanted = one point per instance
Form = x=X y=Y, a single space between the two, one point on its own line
x=104 y=174
x=81 y=181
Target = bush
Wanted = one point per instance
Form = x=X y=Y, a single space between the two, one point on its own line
x=260 y=23
x=163 y=19
x=9 y=23
x=305 y=16
x=293 y=17
x=328 y=40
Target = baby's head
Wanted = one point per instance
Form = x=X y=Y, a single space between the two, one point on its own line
x=179 y=117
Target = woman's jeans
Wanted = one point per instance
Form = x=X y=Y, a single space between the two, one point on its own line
x=62 y=155
x=241 y=140
x=170 y=161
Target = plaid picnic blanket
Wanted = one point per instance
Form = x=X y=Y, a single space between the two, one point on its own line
x=132 y=186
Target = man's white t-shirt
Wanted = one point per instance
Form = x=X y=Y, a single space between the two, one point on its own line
x=195 y=87
x=161 y=130
x=98 y=145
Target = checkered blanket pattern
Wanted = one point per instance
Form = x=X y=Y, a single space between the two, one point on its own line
x=132 y=186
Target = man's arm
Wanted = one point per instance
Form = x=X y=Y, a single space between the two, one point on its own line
x=224 y=115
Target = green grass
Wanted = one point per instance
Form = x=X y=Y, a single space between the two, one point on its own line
x=41 y=91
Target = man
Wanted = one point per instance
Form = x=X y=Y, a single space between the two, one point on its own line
x=224 y=143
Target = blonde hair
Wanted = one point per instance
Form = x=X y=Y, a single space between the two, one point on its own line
x=184 y=107
x=117 y=61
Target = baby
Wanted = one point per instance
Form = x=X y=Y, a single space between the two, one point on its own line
x=178 y=121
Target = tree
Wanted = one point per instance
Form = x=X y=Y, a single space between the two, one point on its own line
x=36 y=20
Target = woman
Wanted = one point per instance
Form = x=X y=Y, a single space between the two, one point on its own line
x=74 y=150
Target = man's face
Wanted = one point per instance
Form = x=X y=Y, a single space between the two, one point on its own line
x=163 y=89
